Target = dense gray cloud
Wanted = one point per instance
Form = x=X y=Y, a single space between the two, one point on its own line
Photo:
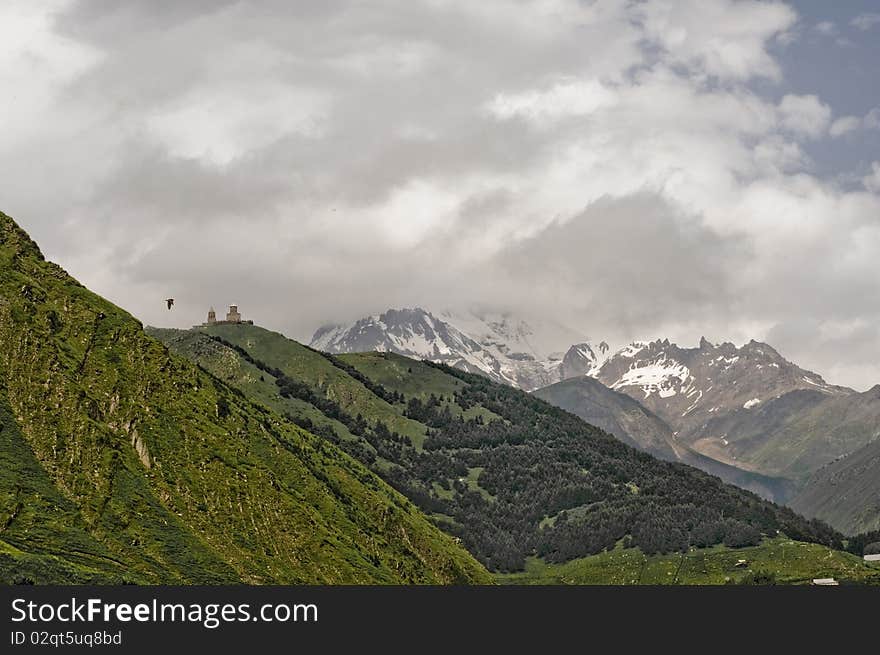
x=638 y=257
x=636 y=169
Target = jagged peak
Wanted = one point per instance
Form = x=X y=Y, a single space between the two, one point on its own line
x=763 y=348
x=404 y=313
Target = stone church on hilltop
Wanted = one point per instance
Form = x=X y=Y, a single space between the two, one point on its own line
x=233 y=317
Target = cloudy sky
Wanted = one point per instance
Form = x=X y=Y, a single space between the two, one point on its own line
x=670 y=168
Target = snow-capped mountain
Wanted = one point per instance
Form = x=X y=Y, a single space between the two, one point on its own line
x=523 y=352
x=687 y=387
x=745 y=407
x=690 y=387
x=584 y=359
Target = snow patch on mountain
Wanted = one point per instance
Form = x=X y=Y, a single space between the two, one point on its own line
x=658 y=376
x=633 y=349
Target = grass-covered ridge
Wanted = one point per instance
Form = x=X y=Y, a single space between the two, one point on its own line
x=306 y=365
x=120 y=461
x=511 y=475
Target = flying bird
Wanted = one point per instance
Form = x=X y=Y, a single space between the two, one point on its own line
x=169 y=302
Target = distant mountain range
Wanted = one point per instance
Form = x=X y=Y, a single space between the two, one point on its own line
x=744 y=413
x=747 y=408
x=524 y=353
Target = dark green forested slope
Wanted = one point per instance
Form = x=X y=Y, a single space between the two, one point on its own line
x=122 y=462
x=508 y=473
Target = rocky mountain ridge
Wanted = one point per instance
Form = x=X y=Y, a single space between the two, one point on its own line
x=523 y=353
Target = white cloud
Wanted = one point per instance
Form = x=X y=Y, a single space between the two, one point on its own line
x=848 y=124
x=562 y=100
x=866 y=21
x=399 y=60
x=722 y=38
x=220 y=124
x=35 y=65
x=775 y=155
x=805 y=115
x=829 y=29
x=845 y=125
x=826 y=28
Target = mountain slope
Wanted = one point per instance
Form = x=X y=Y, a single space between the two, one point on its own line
x=615 y=413
x=626 y=419
x=799 y=432
x=509 y=474
x=310 y=367
x=120 y=461
x=846 y=493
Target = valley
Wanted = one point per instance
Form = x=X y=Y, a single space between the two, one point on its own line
x=745 y=414
x=488 y=459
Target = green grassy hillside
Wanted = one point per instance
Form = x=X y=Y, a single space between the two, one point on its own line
x=229 y=366
x=306 y=365
x=122 y=462
x=512 y=476
x=779 y=561
x=414 y=380
x=35 y=511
